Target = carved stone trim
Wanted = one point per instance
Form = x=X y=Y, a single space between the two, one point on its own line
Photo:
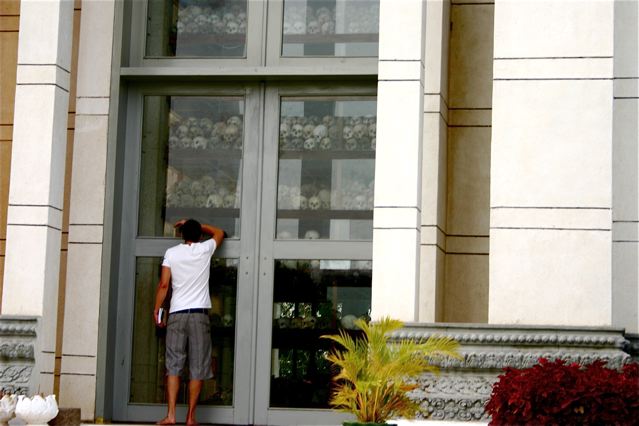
x=462 y=390
x=17 y=353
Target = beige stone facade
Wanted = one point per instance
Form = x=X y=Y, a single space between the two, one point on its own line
x=506 y=170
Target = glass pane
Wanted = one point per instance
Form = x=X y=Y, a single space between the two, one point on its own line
x=326 y=169
x=147 y=365
x=191 y=163
x=312 y=298
x=330 y=28
x=197 y=28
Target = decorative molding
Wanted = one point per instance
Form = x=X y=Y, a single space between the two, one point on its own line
x=16 y=350
x=463 y=388
x=17 y=353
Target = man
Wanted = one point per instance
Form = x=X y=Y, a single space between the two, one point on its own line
x=186 y=267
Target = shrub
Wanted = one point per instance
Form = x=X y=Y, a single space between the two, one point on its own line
x=556 y=393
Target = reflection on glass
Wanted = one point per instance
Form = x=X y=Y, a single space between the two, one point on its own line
x=326 y=169
x=191 y=163
x=197 y=28
x=330 y=28
x=312 y=298
x=148 y=358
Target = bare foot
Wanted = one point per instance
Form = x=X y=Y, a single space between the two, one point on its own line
x=191 y=422
x=166 y=421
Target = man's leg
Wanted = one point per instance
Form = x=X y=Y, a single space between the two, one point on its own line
x=172 y=387
x=195 y=386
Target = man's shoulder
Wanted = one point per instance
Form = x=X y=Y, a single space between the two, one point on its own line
x=172 y=250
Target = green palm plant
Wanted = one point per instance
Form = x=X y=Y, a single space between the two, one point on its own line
x=373 y=381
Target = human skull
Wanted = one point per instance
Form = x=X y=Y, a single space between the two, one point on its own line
x=200 y=142
x=232 y=27
x=328 y=120
x=219 y=27
x=297 y=322
x=328 y=27
x=325 y=197
x=234 y=120
x=311 y=234
x=308 y=131
x=313 y=27
x=231 y=133
x=348 y=322
x=284 y=235
x=320 y=131
x=347 y=132
x=228 y=17
x=310 y=144
x=242 y=28
x=297 y=131
x=214 y=201
x=284 y=131
x=299 y=27
x=227 y=320
x=196 y=130
x=360 y=131
x=183 y=131
x=309 y=322
x=372 y=130
x=373 y=143
x=228 y=201
x=350 y=144
x=241 y=18
x=302 y=202
x=185 y=143
x=283 y=322
x=196 y=187
x=208 y=184
x=314 y=203
x=325 y=144
x=200 y=201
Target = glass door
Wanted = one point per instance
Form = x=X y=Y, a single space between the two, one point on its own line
x=287 y=171
x=315 y=243
x=189 y=153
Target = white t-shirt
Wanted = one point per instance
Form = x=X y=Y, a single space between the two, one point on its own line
x=190 y=274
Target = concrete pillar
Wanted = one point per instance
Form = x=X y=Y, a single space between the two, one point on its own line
x=434 y=159
x=397 y=212
x=86 y=216
x=551 y=163
x=36 y=190
x=625 y=166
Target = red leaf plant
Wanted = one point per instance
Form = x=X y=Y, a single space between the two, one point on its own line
x=556 y=393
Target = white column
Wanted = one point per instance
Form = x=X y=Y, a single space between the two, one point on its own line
x=86 y=215
x=434 y=161
x=396 y=233
x=625 y=166
x=551 y=191
x=36 y=190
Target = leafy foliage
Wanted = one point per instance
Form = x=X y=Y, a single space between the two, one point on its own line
x=554 y=393
x=374 y=373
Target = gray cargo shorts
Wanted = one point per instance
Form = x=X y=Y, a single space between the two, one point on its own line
x=192 y=330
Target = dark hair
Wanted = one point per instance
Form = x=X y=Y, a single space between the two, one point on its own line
x=191 y=230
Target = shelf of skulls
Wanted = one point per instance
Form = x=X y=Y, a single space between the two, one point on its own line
x=183 y=158
x=195 y=39
x=331 y=38
x=176 y=213
x=324 y=214
x=327 y=155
